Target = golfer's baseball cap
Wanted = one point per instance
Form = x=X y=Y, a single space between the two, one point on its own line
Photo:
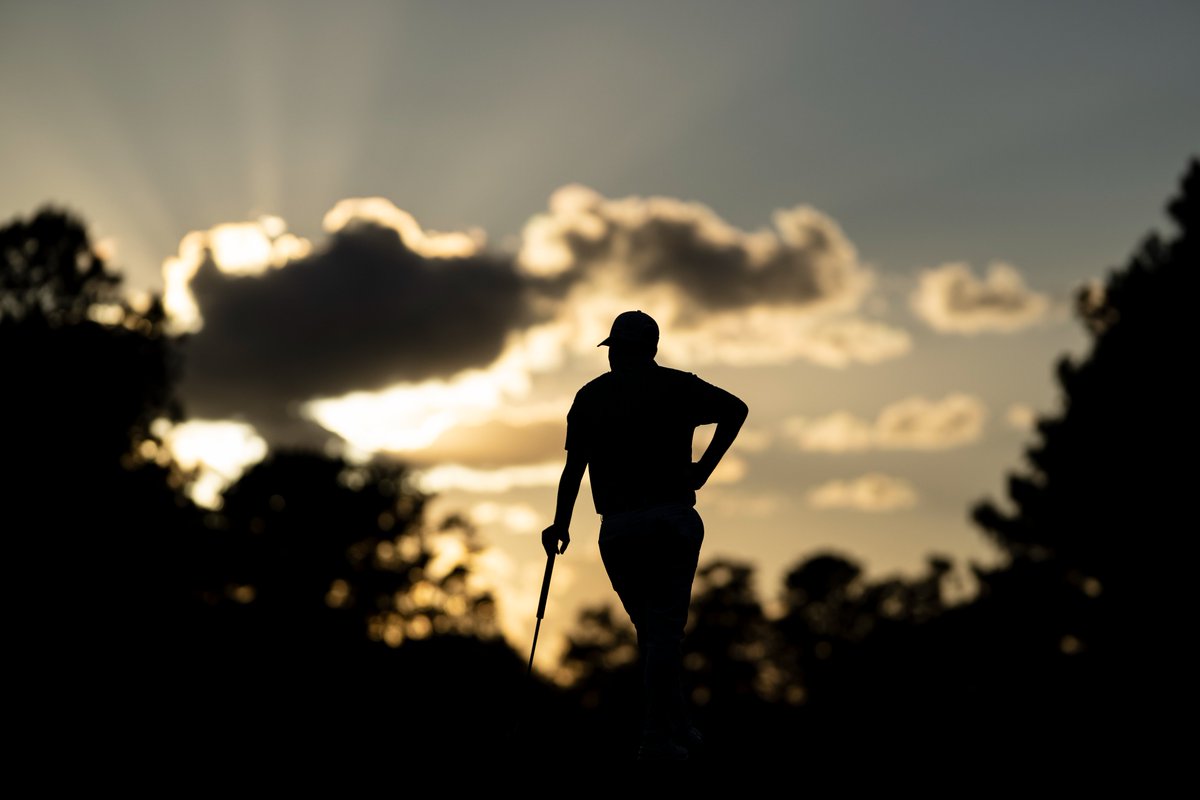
x=633 y=327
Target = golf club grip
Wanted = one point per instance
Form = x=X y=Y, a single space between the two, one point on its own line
x=545 y=586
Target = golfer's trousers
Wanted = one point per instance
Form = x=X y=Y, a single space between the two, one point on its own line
x=651 y=556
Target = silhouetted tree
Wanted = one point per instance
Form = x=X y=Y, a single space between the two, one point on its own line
x=80 y=360
x=327 y=577
x=853 y=656
x=51 y=270
x=277 y=617
x=727 y=641
x=823 y=614
x=309 y=552
x=86 y=488
x=1097 y=582
x=599 y=645
x=602 y=666
x=86 y=374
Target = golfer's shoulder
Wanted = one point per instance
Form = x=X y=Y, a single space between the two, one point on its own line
x=682 y=381
x=595 y=389
x=596 y=385
x=674 y=375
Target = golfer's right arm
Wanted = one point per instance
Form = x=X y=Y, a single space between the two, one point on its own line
x=568 y=491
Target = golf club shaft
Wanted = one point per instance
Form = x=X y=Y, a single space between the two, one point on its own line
x=545 y=586
x=536 y=628
x=541 y=612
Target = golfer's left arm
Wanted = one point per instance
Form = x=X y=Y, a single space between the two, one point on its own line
x=568 y=491
x=732 y=412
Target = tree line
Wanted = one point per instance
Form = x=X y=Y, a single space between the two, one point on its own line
x=305 y=609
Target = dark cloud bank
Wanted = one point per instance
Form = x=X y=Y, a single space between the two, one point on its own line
x=366 y=311
x=362 y=313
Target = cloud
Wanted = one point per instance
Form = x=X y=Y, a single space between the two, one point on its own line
x=839 y=432
x=217 y=450
x=950 y=299
x=872 y=492
x=444 y=478
x=731 y=469
x=394 y=338
x=744 y=504
x=383 y=213
x=493 y=444
x=910 y=424
x=236 y=248
x=837 y=343
x=478 y=418
x=275 y=327
x=654 y=241
x=364 y=312
x=519 y=518
x=765 y=335
x=751 y=439
x=920 y=424
x=1021 y=417
x=720 y=294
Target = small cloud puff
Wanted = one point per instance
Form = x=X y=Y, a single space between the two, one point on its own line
x=910 y=424
x=873 y=492
x=950 y=299
x=1021 y=417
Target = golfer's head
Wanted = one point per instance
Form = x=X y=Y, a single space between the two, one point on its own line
x=633 y=340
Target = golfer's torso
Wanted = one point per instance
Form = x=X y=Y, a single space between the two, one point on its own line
x=640 y=443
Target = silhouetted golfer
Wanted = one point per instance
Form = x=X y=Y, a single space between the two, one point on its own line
x=632 y=428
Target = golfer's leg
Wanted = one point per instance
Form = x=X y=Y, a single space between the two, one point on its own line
x=691 y=528
x=632 y=568
x=619 y=553
x=677 y=540
x=656 y=639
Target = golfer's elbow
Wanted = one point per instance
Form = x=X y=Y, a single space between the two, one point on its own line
x=737 y=412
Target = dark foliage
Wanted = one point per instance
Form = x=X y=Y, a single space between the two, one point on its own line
x=1094 y=595
x=305 y=612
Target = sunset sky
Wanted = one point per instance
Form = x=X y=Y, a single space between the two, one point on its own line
x=866 y=219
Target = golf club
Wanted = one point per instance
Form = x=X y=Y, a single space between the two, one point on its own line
x=541 y=612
